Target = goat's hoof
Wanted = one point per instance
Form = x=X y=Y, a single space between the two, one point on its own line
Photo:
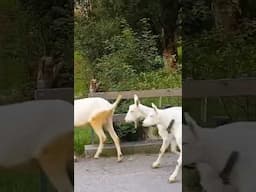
x=96 y=157
x=120 y=158
x=155 y=165
x=176 y=152
x=172 y=180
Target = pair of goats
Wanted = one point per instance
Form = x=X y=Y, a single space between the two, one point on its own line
x=99 y=113
x=163 y=119
x=213 y=152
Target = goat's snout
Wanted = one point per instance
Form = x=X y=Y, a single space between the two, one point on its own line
x=128 y=119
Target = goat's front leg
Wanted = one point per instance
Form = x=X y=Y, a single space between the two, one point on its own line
x=173 y=176
x=164 y=146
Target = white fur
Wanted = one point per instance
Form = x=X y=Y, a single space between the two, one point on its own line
x=211 y=181
x=162 y=118
x=212 y=147
x=28 y=127
x=85 y=109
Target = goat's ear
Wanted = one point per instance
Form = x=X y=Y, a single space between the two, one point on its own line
x=194 y=127
x=154 y=107
x=136 y=100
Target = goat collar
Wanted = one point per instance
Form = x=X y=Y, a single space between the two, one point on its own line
x=226 y=171
x=170 y=126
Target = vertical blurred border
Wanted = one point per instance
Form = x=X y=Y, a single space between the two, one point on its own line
x=36 y=63
x=218 y=67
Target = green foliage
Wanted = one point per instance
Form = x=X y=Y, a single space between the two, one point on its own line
x=151 y=80
x=90 y=36
x=82 y=136
x=211 y=53
x=228 y=56
x=197 y=16
x=83 y=75
x=127 y=132
x=112 y=47
x=118 y=43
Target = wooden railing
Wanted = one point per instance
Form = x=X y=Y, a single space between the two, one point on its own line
x=119 y=118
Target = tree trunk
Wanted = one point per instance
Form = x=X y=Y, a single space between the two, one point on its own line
x=227 y=14
x=168 y=19
x=169 y=53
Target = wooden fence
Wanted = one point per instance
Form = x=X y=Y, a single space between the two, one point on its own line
x=205 y=89
x=202 y=89
x=119 y=118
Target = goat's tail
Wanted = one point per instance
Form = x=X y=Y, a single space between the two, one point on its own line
x=114 y=105
x=101 y=117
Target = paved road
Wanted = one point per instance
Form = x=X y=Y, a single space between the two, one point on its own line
x=134 y=174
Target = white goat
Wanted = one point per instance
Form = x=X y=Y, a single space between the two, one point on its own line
x=162 y=119
x=212 y=148
x=92 y=110
x=138 y=112
x=42 y=130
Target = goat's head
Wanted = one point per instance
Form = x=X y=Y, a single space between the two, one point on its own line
x=152 y=118
x=191 y=145
x=134 y=113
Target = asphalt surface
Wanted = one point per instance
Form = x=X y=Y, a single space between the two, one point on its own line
x=134 y=174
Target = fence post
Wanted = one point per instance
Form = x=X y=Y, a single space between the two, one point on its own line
x=43 y=179
x=204 y=109
x=92 y=89
x=160 y=101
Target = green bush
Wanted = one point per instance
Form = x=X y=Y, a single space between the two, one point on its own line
x=227 y=57
x=83 y=75
x=158 y=79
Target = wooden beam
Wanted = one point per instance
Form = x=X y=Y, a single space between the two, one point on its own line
x=66 y=94
x=218 y=88
x=176 y=92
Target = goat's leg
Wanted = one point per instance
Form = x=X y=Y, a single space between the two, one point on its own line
x=115 y=138
x=58 y=176
x=164 y=146
x=173 y=176
x=102 y=137
x=174 y=145
x=151 y=133
x=53 y=161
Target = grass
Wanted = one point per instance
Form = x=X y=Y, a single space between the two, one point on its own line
x=21 y=181
x=82 y=136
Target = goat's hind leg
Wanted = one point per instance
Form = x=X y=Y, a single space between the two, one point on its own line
x=173 y=176
x=174 y=145
x=102 y=138
x=54 y=160
x=112 y=133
